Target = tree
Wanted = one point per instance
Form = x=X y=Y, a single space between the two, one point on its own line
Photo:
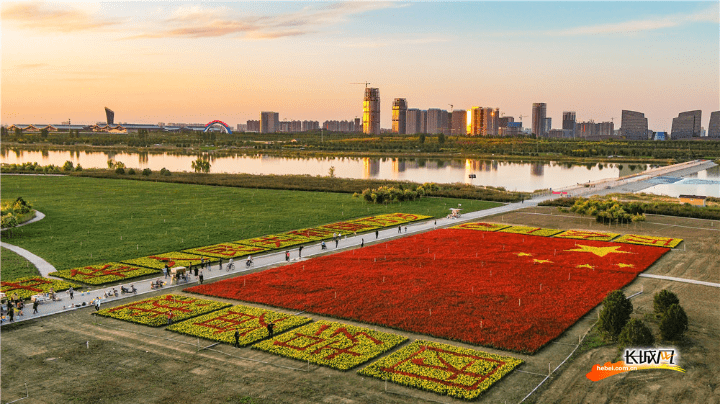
x=44 y=133
x=636 y=333
x=673 y=323
x=422 y=139
x=68 y=166
x=663 y=300
x=441 y=138
x=615 y=313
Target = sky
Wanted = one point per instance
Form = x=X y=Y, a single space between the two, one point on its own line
x=195 y=62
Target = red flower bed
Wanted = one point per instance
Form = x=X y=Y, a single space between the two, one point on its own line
x=510 y=291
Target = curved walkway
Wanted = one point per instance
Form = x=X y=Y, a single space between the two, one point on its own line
x=38 y=216
x=43 y=266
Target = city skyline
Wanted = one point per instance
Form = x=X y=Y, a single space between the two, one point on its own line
x=188 y=62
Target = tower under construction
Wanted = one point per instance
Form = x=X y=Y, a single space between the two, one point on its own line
x=371 y=111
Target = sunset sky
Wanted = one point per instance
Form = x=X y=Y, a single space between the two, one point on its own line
x=195 y=62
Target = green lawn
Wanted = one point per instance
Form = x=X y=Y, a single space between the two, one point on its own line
x=90 y=221
x=14 y=266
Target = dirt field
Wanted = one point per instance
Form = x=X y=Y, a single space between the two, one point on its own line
x=78 y=357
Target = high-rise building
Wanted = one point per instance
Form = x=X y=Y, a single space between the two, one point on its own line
x=686 y=125
x=569 y=122
x=548 y=125
x=633 y=125
x=398 y=116
x=371 y=111
x=269 y=122
x=253 y=126
x=110 y=115
x=413 y=119
x=436 y=121
x=358 y=125
x=539 y=112
x=458 y=124
x=423 y=121
x=714 y=126
x=475 y=121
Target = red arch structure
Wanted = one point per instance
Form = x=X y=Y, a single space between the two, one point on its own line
x=209 y=124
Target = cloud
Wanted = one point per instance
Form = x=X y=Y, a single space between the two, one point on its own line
x=32 y=65
x=379 y=43
x=43 y=17
x=202 y=22
x=709 y=14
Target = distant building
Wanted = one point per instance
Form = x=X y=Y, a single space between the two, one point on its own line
x=253 y=126
x=437 y=121
x=569 y=122
x=269 y=122
x=371 y=111
x=399 y=113
x=633 y=125
x=475 y=121
x=694 y=200
x=503 y=121
x=110 y=115
x=560 y=134
x=413 y=121
x=686 y=125
x=242 y=127
x=458 y=124
x=548 y=125
x=539 y=112
x=660 y=136
x=307 y=126
x=358 y=125
x=512 y=129
x=714 y=126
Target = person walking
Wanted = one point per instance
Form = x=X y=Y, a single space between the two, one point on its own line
x=237 y=338
x=201 y=277
x=70 y=292
x=300 y=252
x=287 y=256
x=35 y=306
x=323 y=246
x=362 y=243
x=399 y=229
x=97 y=304
x=166 y=269
x=336 y=242
x=221 y=264
x=377 y=234
x=10 y=311
x=405 y=229
x=270 y=327
x=20 y=307
x=169 y=316
x=196 y=271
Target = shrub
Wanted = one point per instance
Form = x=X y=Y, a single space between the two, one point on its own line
x=8 y=221
x=164 y=171
x=68 y=166
x=615 y=313
x=674 y=323
x=146 y=172
x=78 y=168
x=131 y=171
x=120 y=170
x=663 y=300
x=636 y=333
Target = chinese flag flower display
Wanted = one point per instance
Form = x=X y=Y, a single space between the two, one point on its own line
x=511 y=291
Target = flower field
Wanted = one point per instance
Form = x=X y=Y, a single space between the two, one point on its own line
x=336 y=345
x=510 y=291
x=154 y=311
x=251 y=322
x=482 y=226
x=441 y=368
x=649 y=240
x=533 y=231
x=275 y=241
x=172 y=259
x=225 y=250
x=587 y=235
x=104 y=273
x=32 y=285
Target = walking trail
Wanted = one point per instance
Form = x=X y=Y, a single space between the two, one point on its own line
x=268 y=260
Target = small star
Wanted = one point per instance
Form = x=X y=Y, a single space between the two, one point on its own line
x=599 y=251
x=621 y=265
x=586 y=266
x=543 y=261
x=524 y=254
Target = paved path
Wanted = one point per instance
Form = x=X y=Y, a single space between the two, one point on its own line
x=671 y=278
x=43 y=266
x=278 y=257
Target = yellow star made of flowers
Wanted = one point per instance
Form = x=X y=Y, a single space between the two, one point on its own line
x=588 y=266
x=599 y=251
x=522 y=254
x=542 y=261
x=621 y=265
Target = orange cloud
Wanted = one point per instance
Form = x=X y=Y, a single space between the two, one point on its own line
x=42 y=17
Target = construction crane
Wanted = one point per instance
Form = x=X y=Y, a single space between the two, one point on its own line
x=365 y=82
x=451 y=107
x=521 y=117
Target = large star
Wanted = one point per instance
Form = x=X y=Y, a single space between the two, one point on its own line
x=599 y=251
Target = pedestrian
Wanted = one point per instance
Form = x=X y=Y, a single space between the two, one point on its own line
x=97 y=303
x=339 y=236
x=221 y=264
x=202 y=262
x=362 y=243
x=336 y=243
x=334 y=235
x=377 y=234
x=10 y=311
x=270 y=329
x=323 y=246
x=287 y=256
x=166 y=270
x=237 y=338
x=399 y=229
x=201 y=277
x=405 y=229
x=20 y=306
x=435 y=222
x=71 y=291
x=196 y=271
x=35 y=306
x=170 y=316
x=300 y=252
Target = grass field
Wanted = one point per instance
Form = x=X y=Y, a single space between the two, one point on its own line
x=90 y=221
x=14 y=266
